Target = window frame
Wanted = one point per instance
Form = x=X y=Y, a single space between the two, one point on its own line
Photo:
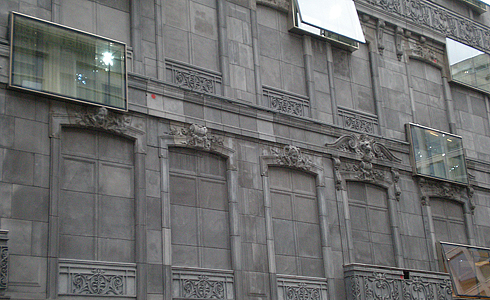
x=73 y=33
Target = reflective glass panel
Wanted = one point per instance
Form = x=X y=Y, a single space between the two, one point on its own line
x=437 y=154
x=336 y=16
x=469 y=268
x=55 y=60
x=468 y=65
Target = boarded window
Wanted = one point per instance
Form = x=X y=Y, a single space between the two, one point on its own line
x=297 y=237
x=199 y=209
x=96 y=206
x=371 y=227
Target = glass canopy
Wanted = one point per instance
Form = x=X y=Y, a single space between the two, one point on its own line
x=468 y=65
x=336 y=16
x=54 y=60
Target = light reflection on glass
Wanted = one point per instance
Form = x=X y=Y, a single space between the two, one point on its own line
x=468 y=65
x=436 y=155
x=469 y=268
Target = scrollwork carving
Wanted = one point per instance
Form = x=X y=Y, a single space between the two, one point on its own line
x=363 y=146
x=4 y=256
x=203 y=288
x=194 y=81
x=365 y=171
x=417 y=288
x=379 y=287
x=445 y=290
x=302 y=292
x=292 y=156
x=197 y=136
x=102 y=118
x=97 y=283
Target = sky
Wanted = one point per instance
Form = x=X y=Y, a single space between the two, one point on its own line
x=486 y=1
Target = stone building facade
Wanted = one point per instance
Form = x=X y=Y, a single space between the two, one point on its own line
x=253 y=162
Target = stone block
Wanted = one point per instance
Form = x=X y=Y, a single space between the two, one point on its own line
x=116 y=217
x=155 y=280
x=383 y=254
x=284 y=237
x=114 y=23
x=177 y=14
x=7 y=131
x=193 y=110
x=308 y=240
x=116 y=250
x=77 y=213
x=305 y=209
x=27 y=275
x=312 y=267
x=176 y=41
x=154 y=246
x=20 y=235
x=6 y=203
x=117 y=180
x=343 y=93
x=183 y=190
x=214 y=229
x=205 y=52
x=213 y=195
x=235 y=30
x=154 y=213
x=71 y=10
x=269 y=43
x=76 y=141
x=286 y=265
x=41 y=170
x=31 y=136
x=184 y=225
x=184 y=255
x=18 y=167
x=249 y=175
x=39 y=238
x=267 y=16
x=77 y=247
x=257 y=283
x=30 y=203
x=216 y=258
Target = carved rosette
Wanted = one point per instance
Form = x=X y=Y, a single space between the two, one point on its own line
x=203 y=288
x=97 y=283
x=196 y=136
x=302 y=292
x=291 y=156
x=102 y=118
x=4 y=256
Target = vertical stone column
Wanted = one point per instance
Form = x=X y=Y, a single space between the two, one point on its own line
x=269 y=235
x=377 y=95
x=4 y=267
x=335 y=115
x=160 y=41
x=224 y=57
x=309 y=77
x=449 y=104
x=140 y=230
x=136 y=37
x=256 y=56
x=235 y=239
x=166 y=221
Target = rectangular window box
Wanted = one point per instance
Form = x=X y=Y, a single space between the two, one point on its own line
x=55 y=60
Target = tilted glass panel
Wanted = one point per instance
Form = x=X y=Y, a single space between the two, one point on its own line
x=58 y=61
x=437 y=154
x=469 y=268
x=468 y=65
x=336 y=16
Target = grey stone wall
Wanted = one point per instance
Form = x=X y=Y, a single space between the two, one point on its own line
x=133 y=218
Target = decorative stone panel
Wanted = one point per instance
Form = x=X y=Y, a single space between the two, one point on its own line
x=190 y=283
x=93 y=278
x=437 y=18
x=4 y=258
x=193 y=78
x=364 y=282
x=285 y=102
x=358 y=121
x=301 y=288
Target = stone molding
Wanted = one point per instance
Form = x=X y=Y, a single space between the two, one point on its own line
x=301 y=288
x=365 y=282
x=286 y=102
x=433 y=188
x=95 y=278
x=358 y=121
x=438 y=19
x=193 y=78
x=193 y=283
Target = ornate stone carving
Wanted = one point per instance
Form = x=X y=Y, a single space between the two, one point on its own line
x=445 y=290
x=432 y=188
x=4 y=256
x=97 y=283
x=196 y=136
x=396 y=179
x=284 y=102
x=203 y=288
x=439 y=19
x=380 y=28
x=422 y=51
x=365 y=171
x=398 y=42
x=193 y=78
x=302 y=292
x=378 y=286
x=291 y=156
x=417 y=288
x=364 y=146
x=102 y=118
x=337 y=175
x=358 y=121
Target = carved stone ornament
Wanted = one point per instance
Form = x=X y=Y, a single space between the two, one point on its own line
x=4 y=256
x=203 y=288
x=432 y=188
x=98 y=283
x=365 y=171
x=196 y=136
x=364 y=146
x=102 y=118
x=291 y=156
x=424 y=52
x=380 y=28
x=398 y=42
x=302 y=292
x=396 y=179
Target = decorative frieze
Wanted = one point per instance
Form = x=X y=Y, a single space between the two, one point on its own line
x=300 y=288
x=363 y=146
x=285 y=102
x=4 y=262
x=355 y=120
x=202 y=284
x=196 y=136
x=437 y=18
x=365 y=282
x=292 y=156
x=102 y=118
x=433 y=188
x=193 y=78
x=96 y=278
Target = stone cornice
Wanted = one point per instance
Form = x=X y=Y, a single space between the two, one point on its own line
x=433 y=17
